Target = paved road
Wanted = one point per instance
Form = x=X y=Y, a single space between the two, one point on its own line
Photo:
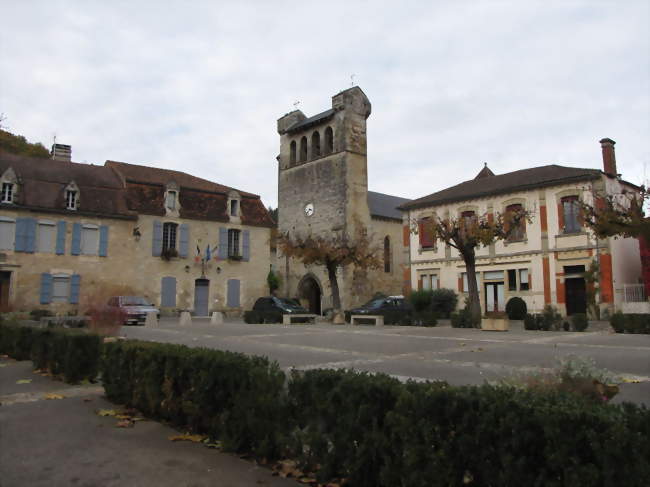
x=459 y=356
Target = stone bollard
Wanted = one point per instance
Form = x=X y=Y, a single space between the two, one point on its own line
x=216 y=318
x=186 y=318
x=152 y=320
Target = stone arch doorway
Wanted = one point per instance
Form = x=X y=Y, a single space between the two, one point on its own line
x=309 y=289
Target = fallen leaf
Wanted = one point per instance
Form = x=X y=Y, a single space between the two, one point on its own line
x=106 y=412
x=188 y=437
x=125 y=423
x=631 y=381
x=53 y=396
x=307 y=480
x=24 y=381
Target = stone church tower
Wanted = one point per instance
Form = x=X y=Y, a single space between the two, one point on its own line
x=323 y=191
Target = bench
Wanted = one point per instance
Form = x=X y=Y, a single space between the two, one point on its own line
x=287 y=319
x=378 y=319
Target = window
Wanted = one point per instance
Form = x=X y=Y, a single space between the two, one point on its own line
x=60 y=288
x=425 y=233
x=71 y=199
x=518 y=231
x=7 y=192
x=387 y=254
x=233 y=243
x=329 y=140
x=234 y=208
x=571 y=214
x=430 y=281
x=467 y=221
x=512 y=280
x=171 y=200
x=493 y=276
x=89 y=240
x=466 y=283
x=7 y=234
x=303 y=149
x=45 y=238
x=523 y=280
x=169 y=236
x=315 y=145
x=292 y=152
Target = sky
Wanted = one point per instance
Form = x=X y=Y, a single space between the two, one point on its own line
x=198 y=86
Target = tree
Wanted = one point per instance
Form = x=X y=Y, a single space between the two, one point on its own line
x=332 y=252
x=468 y=232
x=17 y=144
x=618 y=215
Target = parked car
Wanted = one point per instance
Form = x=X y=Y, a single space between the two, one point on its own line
x=134 y=308
x=395 y=309
x=270 y=310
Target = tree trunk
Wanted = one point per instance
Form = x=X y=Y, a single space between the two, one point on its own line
x=469 y=257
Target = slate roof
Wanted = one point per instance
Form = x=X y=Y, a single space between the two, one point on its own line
x=486 y=185
x=313 y=120
x=385 y=206
x=43 y=182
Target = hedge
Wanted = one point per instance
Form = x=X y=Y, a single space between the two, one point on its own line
x=72 y=354
x=630 y=323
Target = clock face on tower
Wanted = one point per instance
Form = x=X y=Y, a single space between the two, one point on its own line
x=309 y=209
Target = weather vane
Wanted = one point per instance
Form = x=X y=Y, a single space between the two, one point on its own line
x=352 y=79
x=295 y=105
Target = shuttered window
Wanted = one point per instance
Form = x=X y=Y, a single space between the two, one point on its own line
x=45 y=238
x=7 y=234
x=89 y=240
x=169 y=236
x=60 y=288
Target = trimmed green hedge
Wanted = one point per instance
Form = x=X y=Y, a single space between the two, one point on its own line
x=630 y=323
x=70 y=353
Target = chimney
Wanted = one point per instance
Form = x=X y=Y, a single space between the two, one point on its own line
x=62 y=152
x=609 y=158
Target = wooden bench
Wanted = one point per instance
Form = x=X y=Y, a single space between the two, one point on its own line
x=378 y=319
x=287 y=319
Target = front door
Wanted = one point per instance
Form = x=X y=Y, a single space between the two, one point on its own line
x=494 y=297
x=576 y=296
x=201 y=295
x=5 y=281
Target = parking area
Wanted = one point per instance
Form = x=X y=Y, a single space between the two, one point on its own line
x=459 y=356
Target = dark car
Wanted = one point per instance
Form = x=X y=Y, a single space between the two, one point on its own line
x=270 y=310
x=395 y=310
x=133 y=308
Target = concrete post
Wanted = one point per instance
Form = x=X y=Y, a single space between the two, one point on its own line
x=217 y=318
x=152 y=320
x=186 y=318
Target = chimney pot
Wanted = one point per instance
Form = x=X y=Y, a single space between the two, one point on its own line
x=609 y=157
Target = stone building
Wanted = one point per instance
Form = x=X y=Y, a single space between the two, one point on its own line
x=323 y=192
x=71 y=235
x=545 y=261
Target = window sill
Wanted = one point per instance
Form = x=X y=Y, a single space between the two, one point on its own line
x=235 y=257
x=427 y=249
x=571 y=234
x=520 y=241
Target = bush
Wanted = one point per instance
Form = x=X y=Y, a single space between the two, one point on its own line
x=225 y=395
x=37 y=314
x=421 y=300
x=579 y=322
x=532 y=322
x=516 y=308
x=464 y=319
x=425 y=318
x=251 y=317
x=443 y=301
x=106 y=320
x=630 y=323
x=551 y=318
x=618 y=322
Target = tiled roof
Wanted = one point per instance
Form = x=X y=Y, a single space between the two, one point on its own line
x=521 y=180
x=43 y=182
x=385 y=205
x=313 y=120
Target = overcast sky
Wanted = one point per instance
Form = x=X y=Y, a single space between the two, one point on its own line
x=198 y=86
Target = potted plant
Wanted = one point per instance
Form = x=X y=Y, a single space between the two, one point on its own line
x=168 y=254
x=495 y=321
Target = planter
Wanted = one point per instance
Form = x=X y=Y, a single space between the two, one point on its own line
x=495 y=324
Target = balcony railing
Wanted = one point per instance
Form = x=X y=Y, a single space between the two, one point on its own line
x=634 y=293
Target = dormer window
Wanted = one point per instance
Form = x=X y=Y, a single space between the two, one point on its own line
x=171 y=200
x=71 y=199
x=7 y=192
x=234 y=208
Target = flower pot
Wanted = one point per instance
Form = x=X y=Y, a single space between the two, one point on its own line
x=495 y=324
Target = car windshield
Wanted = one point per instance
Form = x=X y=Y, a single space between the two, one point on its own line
x=374 y=303
x=285 y=303
x=134 y=301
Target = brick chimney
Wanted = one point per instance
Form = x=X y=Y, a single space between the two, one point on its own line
x=609 y=157
x=62 y=152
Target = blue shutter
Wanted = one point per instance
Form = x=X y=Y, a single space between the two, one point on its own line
x=46 y=288
x=30 y=235
x=223 y=243
x=233 y=293
x=75 y=282
x=184 y=242
x=246 y=245
x=168 y=292
x=60 y=237
x=21 y=235
x=76 y=239
x=103 y=241
x=157 y=238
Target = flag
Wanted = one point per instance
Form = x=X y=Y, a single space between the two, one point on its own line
x=207 y=253
x=198 y=250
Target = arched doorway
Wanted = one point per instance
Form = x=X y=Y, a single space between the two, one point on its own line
x=310 y=290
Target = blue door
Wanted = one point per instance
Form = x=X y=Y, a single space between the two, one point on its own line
x=201 y=295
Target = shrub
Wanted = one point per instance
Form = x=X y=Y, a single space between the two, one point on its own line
x=421 y=300
x=618 y=322
x=630 y=323
x=273 y=280
x=251 y=317
x=426 y=318
x=531 y=322
x=443 y=301
x=37 y=314
x=579 y=322
x=516 y=308
x=551 y=318
x=106 y=320
x=464 y=319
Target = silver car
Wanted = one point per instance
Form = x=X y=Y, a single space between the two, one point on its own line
x=134 y=308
